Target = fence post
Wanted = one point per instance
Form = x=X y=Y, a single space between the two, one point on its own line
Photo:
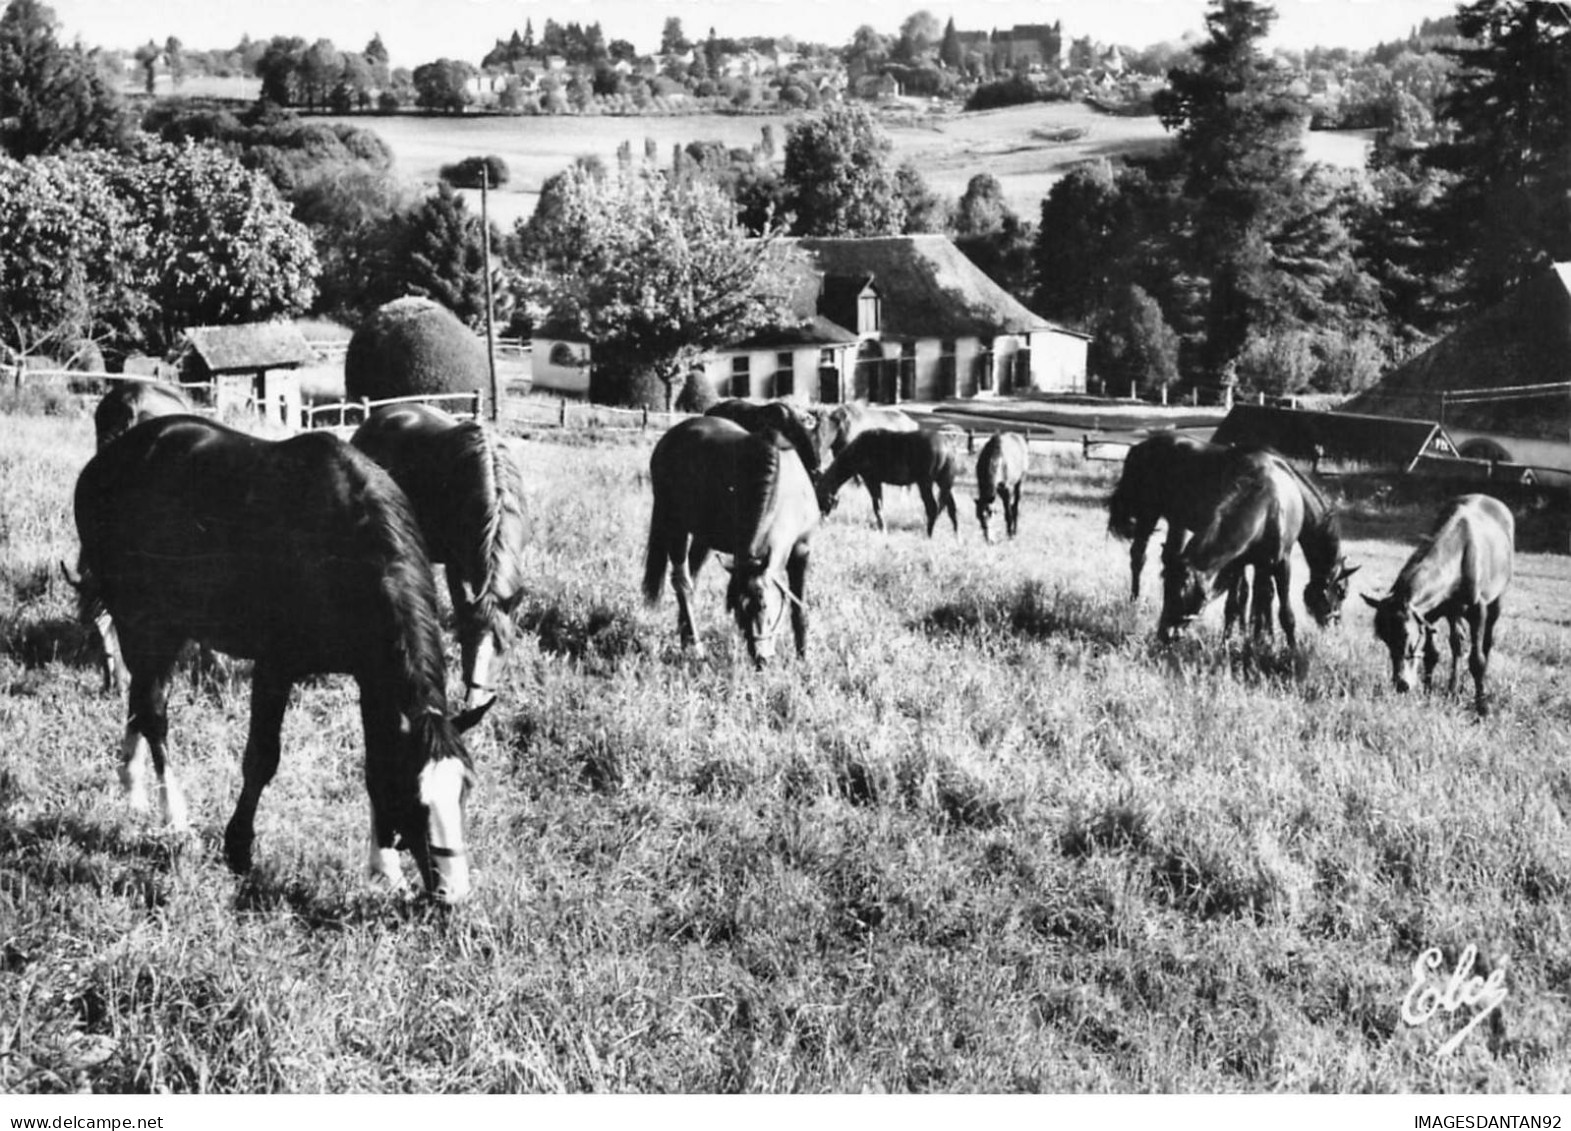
x=561 y=414
x=970 y=441
x=1164 y=396
x=643 y=425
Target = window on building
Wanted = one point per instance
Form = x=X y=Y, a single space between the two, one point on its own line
x=785 y=373
x=741 y=376
x=948 y=372
x=868 y=315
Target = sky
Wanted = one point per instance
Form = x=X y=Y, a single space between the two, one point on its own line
x=418 y=31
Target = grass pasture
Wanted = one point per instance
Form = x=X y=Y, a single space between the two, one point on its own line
x=989 y=837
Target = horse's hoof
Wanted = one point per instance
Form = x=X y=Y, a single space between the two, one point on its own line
x=237 y=852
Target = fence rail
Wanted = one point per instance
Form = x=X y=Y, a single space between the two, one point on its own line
x=318 y=416
x=537 y=412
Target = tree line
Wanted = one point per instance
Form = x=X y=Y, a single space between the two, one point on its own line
x=1225 y=257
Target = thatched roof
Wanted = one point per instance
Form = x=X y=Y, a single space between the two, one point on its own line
x=929 y=288
x=1524 y=341
x=250 y=347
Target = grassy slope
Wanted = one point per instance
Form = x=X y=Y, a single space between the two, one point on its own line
x=988 y=838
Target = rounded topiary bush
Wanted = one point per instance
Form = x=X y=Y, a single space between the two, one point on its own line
x=413 y=346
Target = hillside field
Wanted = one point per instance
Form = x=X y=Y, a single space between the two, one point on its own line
x=988 y=837
x=1028 y=148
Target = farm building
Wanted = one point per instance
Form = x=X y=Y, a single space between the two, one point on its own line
x=900 y=318
x=1501 y=384
x=250 y=367
x=1335 y=442
x=888 y=319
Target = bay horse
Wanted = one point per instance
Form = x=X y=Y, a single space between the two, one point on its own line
x=1181 y=480
x=305 y=557
x=1000 y=475
x=1255 y=523
x=798 y=427
x=468 y=493
x=844 y=423
x=1460 y=572
x=129 y=403
x=719 y=488
x=124 y=406
x=926 y=459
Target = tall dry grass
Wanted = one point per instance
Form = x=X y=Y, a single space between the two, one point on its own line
x=988 y=837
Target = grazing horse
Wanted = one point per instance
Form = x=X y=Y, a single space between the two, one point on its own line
x=305 y=557
x=1180 y=480
x=124 y=406
x=1255 y=523
x=468 y=495
x=846 y=422
x=1459 y=572
x=131 y=402
x=720 y=488
x=796 y=426
x=927 y=459
x=1000 y=474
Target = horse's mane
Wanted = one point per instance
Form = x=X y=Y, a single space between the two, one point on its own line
x=391 y=536
x=761 y=486
x=491 y=488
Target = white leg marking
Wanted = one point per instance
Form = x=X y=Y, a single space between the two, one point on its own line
x=441 y=787
x=134 y=757
x=382 y=863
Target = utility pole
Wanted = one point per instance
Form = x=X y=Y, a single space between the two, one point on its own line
x=485 y=244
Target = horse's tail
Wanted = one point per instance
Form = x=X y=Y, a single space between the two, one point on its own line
x=655 y=552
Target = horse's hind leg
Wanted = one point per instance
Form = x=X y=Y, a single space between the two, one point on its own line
x=381 y=724
x=1137 y=555
x=686 y=561
x=1481 y=620
x=1283 y=574
x=875 y=492
x=946 y=499
x=269 y=697
x=1474 y=626
x=147 y=737
x=1236 y=603
x=1012 y=510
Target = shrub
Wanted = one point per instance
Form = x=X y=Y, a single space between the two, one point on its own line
x=466 y=173
x=413 y=346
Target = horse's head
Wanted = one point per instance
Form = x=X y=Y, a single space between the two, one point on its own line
x=828 y=497
x=984 y=515
x=431 y=826
x=1323 y=596
x=1123 y=515
x=1405 y=634
x=1185 y=593
x=758 y=599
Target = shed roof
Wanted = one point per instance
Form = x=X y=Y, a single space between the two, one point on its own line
x=249 y=347
x=1334 y=437
x=1524 y=341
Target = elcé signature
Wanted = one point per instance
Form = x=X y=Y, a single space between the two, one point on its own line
x=1425 y=998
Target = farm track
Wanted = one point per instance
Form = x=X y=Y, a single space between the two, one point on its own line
x=988 y=838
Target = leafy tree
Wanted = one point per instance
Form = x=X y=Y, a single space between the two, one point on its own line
x=222 y=246
x=51 y=97
x=174 y=53
x=352 y=211
x=469 y=172
x=441 y=255
x=672 y=41
x=279 y=69
x=919 y=35
x=147 y=58
x=925 y=210
x=983 y=208
x=1134 y=345
x=838 y=177
x=654 y=273
x=1506 y=211
x=443 y=85
x=950 y=53
x=69 y=253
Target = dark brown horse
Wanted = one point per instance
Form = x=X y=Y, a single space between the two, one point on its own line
x=305 y=557
x=1255 y=523
x=124 y=406
x=468 y=494
x=799 y=427
x=927 y=459
x=844 y=423
x=719 y=488
x=129 y=403
x=1000 y=475
x=1459 y=572
x=1180 y=480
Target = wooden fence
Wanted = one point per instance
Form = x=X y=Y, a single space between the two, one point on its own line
x=346 y=416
